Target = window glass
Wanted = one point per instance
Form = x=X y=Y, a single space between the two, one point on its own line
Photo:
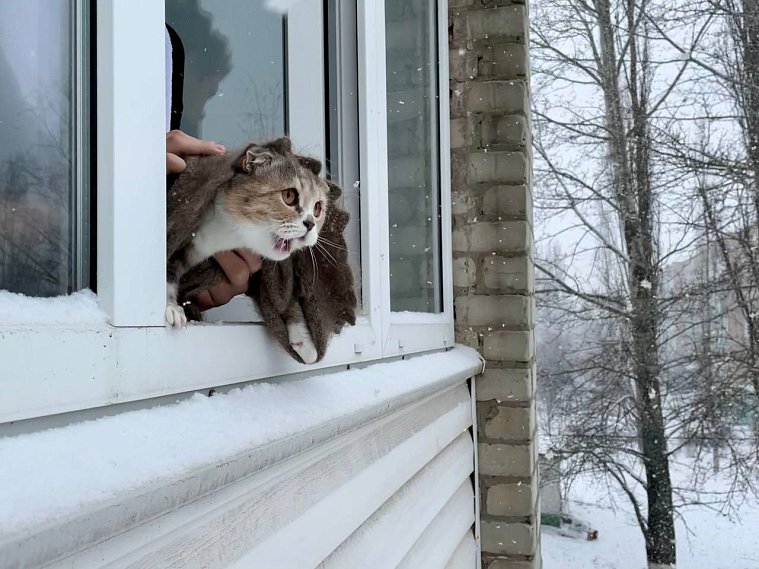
x=342 y=120
x=234 y=82
x=257 y=70
x=44 y=232
x=413 y=148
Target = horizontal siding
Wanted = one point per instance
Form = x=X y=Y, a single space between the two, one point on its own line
x=440 y=540
x=465 y=555
x=297 y=512
x=387 y=536
x=321 y=529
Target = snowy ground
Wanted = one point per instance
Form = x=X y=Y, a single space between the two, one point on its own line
x=706 y=539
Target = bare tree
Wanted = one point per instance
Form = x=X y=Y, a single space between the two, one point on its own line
x=647 y=138
x=721 y=156
x=601 y=178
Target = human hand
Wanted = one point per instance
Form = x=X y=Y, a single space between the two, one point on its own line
x=179 y=144
x=237 y=265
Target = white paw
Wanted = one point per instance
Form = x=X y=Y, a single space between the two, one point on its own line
x=175 y=316
x=301 y=342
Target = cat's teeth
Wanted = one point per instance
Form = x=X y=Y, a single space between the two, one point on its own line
x=282 y=244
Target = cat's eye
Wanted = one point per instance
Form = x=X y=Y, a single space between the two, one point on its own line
x=290 y=196
x=317 y=209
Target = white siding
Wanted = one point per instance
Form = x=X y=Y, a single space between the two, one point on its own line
x=387 y=537
x=465 y=552
x=389 y=488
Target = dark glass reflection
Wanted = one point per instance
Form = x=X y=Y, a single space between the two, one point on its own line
x=43 y=238
x=234 y=85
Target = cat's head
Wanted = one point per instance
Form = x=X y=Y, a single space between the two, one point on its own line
x=280 y=191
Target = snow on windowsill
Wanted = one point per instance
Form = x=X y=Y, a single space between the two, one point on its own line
x=412 y=317
x=59 y=472
x=79 y=308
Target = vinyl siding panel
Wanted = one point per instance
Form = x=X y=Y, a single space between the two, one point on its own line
x=390 y=487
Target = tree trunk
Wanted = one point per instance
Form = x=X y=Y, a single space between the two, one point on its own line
x=631 y=175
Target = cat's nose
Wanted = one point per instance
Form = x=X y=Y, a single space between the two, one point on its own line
x=309 y=223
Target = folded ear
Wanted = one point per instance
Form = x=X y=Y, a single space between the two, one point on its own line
x=281 y=145
x=310 y=164
x=254 y=156
x=335 y=191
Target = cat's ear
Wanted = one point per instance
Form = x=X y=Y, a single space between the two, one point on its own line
x=281 y=145
x=335 y=191
x=253 y=157
x=311 y=164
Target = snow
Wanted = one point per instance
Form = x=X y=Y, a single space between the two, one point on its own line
x=413 y=317
x=706 y=539
x=280 y=6
x=57 y=472
x=78 y=308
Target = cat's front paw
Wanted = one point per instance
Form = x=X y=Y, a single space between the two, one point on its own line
x=301 y=342
x=175 y=316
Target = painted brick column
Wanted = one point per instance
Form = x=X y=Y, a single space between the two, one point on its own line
x=493 y=264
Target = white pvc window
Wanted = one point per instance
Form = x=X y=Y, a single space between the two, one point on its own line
x=252 y=71
x=413 y=161
x=419 y=300
x=44 y=160
x=335 y=107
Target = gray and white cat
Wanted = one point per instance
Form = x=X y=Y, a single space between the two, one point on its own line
x=265 y=199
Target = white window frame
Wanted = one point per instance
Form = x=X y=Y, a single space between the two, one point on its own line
x=404 y=332
x=46 y=370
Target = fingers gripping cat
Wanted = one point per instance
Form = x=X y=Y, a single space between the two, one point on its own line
x=264 y=199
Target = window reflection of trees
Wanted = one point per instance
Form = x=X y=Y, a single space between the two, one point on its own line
x=264 y=119
x=234 y=69
x=35 y=249
x=36 y=186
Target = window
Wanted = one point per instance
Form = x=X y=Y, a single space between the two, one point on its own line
x=232 y=92
x=342 y=137
x=318 y=71
x=419 y=298
x=254 y=71
x=44 y=194
x=413 y=146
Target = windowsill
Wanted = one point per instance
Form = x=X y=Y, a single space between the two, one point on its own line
x=60 y=355
x=50 y=369
x=71 y=488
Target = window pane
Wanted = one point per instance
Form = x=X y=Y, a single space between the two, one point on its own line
x=43 y=187
x=413 y=147
x=342 y=120
x=234 y=85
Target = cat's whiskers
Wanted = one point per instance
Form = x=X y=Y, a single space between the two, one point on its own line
x=335 y=245
x=314 y=265
x=328 y=256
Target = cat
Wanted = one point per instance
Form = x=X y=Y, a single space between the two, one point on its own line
x=272 y=201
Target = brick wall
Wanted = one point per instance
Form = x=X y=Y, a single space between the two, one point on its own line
x=493 y=266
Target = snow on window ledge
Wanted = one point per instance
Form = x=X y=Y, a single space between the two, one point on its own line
x=55 y=475
x=77 y=309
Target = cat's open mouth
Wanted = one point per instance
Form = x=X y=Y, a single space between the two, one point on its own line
x=282 y=245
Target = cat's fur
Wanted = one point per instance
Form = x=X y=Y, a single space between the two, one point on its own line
x=303 y=298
